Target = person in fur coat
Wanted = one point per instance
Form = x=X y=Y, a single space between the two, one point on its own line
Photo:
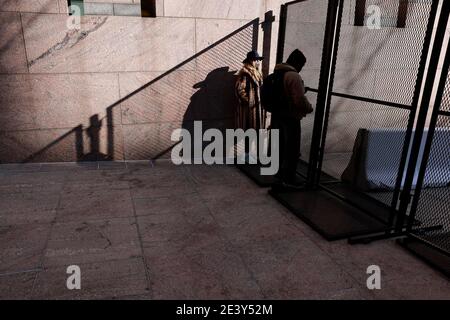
x=248 y=84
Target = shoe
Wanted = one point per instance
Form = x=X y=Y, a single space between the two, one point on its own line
x=288 y=186
x=293 y=185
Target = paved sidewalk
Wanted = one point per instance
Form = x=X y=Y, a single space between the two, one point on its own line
x=156 y=231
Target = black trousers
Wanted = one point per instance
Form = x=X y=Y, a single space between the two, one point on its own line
x=289 y=146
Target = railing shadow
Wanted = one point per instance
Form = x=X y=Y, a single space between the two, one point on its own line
x=139 y=125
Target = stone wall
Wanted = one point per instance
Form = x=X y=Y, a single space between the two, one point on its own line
x=59 y=88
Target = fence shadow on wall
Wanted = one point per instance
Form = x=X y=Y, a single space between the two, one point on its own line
x=140 y=124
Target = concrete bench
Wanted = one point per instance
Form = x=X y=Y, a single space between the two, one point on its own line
x=376 y=158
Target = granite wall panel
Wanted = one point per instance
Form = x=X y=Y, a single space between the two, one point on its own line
x=13 y=57
x=61 y=102
x=214 y=9
x=42 y=6
x=31 y=102
x=106 y=43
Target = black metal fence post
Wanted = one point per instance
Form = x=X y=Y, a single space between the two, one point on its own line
x=323 y=90
x=428 y=223
x=429 y=142
x=329 y=92
x=414 y=108
x=405 y=195
x=281 y=33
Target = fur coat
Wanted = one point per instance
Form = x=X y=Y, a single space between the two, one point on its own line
x=249 y=113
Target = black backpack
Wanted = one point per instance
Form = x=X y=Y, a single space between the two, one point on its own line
x=272 y=92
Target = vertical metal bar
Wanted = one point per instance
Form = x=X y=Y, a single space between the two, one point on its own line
x=414 y=106
x=110 y=132
x=360 y=12
x=405 y=195
x=402 y=13
x=255 y=39
x=430 y=137
x=269 y=18
x=281 y=33
x=79 y=142
x=335 y=49
x=322 y=91
x=255 y=44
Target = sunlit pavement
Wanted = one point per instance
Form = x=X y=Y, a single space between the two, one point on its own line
x=142 y=230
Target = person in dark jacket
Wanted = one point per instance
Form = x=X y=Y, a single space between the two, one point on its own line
x=294 y=107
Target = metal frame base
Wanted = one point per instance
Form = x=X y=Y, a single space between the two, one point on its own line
x=389 y=234
x=253 y=172
x=428 y=254
x=302 y=170
x=332 y=218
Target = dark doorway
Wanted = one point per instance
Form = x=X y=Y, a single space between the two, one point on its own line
x=148 y=8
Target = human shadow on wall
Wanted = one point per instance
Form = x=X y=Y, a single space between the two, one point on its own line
x=87 y=142
x=209 y=101
x=93 y=133
x=210 y=105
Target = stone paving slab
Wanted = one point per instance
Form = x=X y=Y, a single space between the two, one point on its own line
x=95 y=204
x=22 y=246
x=99 y=281
x=184 y=203
x=17 y=286
x=88 y=241
x=259 y=223
x=202 y=266
x=152 y=230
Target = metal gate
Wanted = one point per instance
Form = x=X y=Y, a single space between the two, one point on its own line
x=429 y=215
x=358 y=146
x=369 y=118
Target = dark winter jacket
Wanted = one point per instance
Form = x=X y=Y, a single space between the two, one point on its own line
x=297 y=105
